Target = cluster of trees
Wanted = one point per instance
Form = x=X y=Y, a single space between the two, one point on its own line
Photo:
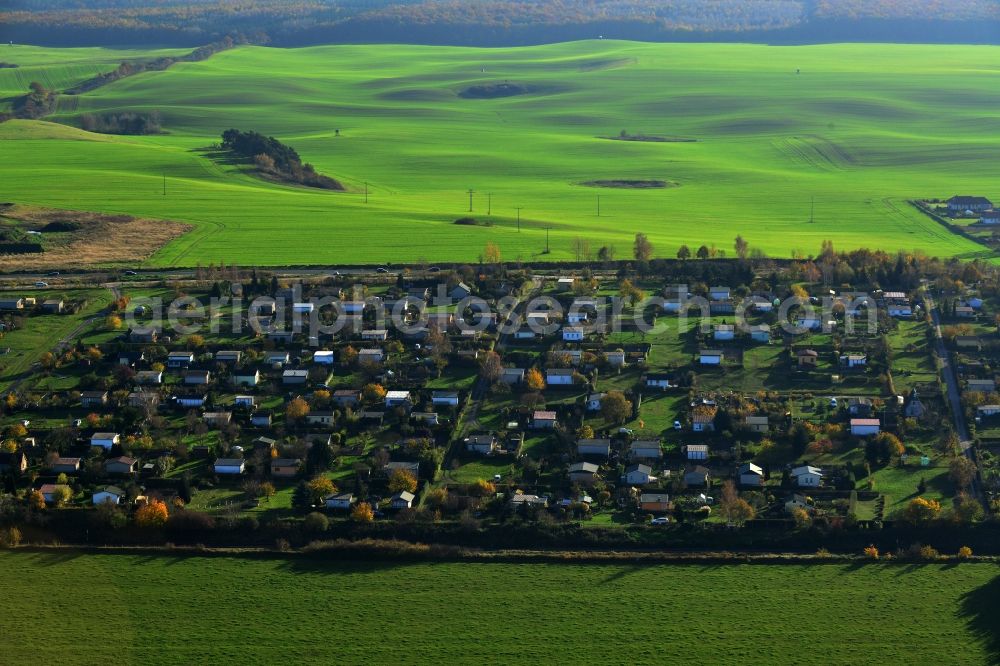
x=40 y=101
x=292 y=22
x=273 y=158
x=126 y=122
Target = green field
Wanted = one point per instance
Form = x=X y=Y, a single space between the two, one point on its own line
x=859 y=131
x=85 y=609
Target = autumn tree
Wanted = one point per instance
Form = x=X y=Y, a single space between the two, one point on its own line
x=962 y=471
x=491 y=367
x=61 y=495
x=373 y=393
x=741 y=246
x=482 y=488
x=491 y=253
x=534 y=379
x=320 y=488
x=921 y=511
x=642 y=249
x=152 y=514
x=734 y=508
x=615 y=407
x=36 y=500
x=401 y=480
x=195 y=341
x=297 y=409
x=362 y=513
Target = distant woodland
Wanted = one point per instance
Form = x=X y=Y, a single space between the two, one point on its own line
x=275 y=160
x=492 y=22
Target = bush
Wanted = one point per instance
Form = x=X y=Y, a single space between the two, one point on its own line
x=316 y=522
x=871 y=552
x=10 y=537
x=964 y=553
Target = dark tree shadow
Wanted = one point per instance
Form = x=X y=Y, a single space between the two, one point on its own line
x=980 y=608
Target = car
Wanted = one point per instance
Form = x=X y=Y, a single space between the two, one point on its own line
x=434 y=269
x=53 y=274
x=677 y=425
x=40 y=283
x=833 y=402
x=660 y=520
x=77 y=423
x=26 y=423
x=381 y=269
x=624 y=431
x=129 y=273
x=497 y=477
x=335 y=274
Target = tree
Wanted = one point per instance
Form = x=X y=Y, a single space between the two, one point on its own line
x=734 y=508
x=401 y=480
x=373 y=393
x=962 y=471
x=319 y=458
x=61 y=495
x=615 y=407
x=302 y=498
x=297 y=409
x=36 y=500
x=152 y=514
x=195 y=341
x=320 y=488
x=921 y=511
x=491 y=253
x=362 y=513
x=702 y=252
x=606 y=253
x=683 y=253
x=642 y=249
x=316 y=522
x=482 y=488
x=802 y=518
x=741 y=246
x=534 y=380
x=491 y=367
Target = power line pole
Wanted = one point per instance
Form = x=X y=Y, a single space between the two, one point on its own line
x=471 y=192
x=489 y=203
x=518 y=209
x=366 y=191
x=547 y=239
x=812 y=209
x=598 y=205
x=164 y=184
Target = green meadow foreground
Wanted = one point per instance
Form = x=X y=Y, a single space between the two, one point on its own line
x=197 y=610
x=858 y=131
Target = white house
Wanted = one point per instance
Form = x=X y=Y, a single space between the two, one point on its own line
x=230 y=466
x=108 y=494
x=244 y=401
x=396 y=398
x=323 y=357
x=696 y=451
x=645 y=449
x=559 y=377
x=751 y=475
x=809 y=322
x=760 y=333
x=246 y=378
x=724 y=332
x=639 y=475
x=807 y=476
x=370 y=356
x=987 y=410
x=703 y=422
x=616 y=358
x=190 y=400
x=900 y=310
x=719 y=293
x=180 y=359
x=658 y=380
x=854 y=360
x=524 y=333
x=339 y=501
x=482 y=444
x=302 y=308
x=575 y=317
x=448 y=398
x=105 y=440
x=291 y=377
x=593 y=447
x=710 y=357
x=572 y=334
x=864 y=427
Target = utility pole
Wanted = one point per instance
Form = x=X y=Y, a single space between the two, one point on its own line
x=471 y=192
x=366 y=191
x=489 y=203
x=518 y=209
x=598 y=205
x=812 y=209
x=164 y=184
x=547 y=239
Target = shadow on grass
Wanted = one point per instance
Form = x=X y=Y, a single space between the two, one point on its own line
x=980 y=608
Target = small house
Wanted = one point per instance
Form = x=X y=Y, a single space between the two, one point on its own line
x=48 y=491
x=143 y=399
x=639 y=475
x=583 y=472
x=655 y=502
x=696 y=477
x=724 y=332
x=427 y=418
x=703 y=422
x=559 y=376
x=229 y=356
x=447 y=398
x=320 y=417
x=696 y=451
x=402 y=500
x=484 y=444
x=371 y=356
x=854 y=360
x=807 y=476
x=542 y=420
x=260 y=419
x=53 y=306
x=512 y=375
x=120 y=466
x=981 y=386
x=323 y=357
x=149 y=378
x=594 y=447
x=285 y=468
x=760 y=333
x=398 y=399
x=710 y=357
x=759 y=424
x=105 y=440
x=864 y=427
x=294 y=377
x=961 y=204
x=197 y=377
x=594 y=402
x=719 y=293
x=572 y=334
x=339 y=501
x=218 y=419
x=645 y=449
x=93 y=398
x=347 y=397
x=250 y=377
x=229 y=466
x=65 y=466
x=807 y=358
x=108 y=494
x=750 y=475
x=180 y=359
x=658 y=380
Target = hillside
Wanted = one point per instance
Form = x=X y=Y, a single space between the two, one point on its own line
x=498 y=22
x=846 y=142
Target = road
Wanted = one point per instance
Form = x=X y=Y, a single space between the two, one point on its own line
x=954 y=392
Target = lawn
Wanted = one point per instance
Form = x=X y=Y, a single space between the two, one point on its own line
x=861 y=130
x=177 y=609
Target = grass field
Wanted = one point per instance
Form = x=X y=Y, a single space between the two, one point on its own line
x=860 y=130
x=86 y=609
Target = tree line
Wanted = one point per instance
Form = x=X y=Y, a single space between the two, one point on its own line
x=274 y=159
x=296 y=22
